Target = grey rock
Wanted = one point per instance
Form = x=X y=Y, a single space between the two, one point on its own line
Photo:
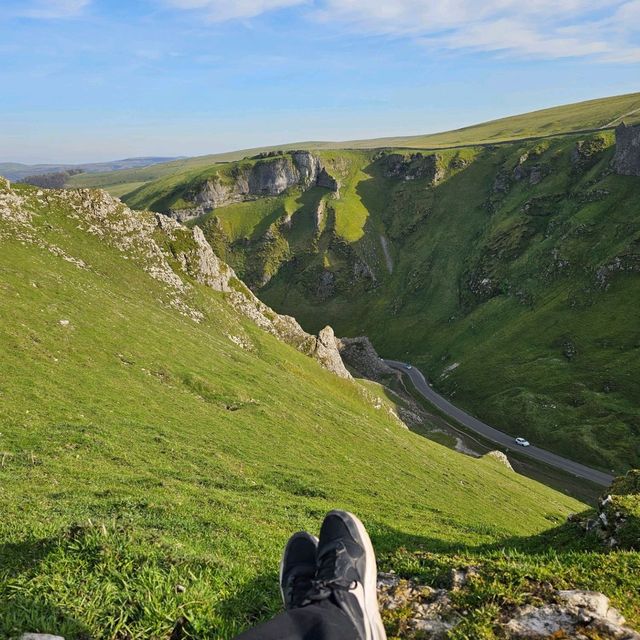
x=269 y=176
x=39 y=636
x=587 y=152
x=576 y=611
x=536 y=174
x=413 y=167
x=460 y=577
x=360 y=355
x=326 y=352
x=502 y=182
x=626 y=160
x=326 y=285
x=501 y=458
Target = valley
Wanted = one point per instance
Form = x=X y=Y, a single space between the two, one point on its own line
x=165 y=427
x=508 y=272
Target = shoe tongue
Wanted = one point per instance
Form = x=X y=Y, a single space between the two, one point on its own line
x=335 y=563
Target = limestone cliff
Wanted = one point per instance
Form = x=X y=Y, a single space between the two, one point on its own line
x=267 y=176
x=626 y=160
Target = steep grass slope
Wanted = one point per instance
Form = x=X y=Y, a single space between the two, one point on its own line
x=158 y=448
x=592 y=114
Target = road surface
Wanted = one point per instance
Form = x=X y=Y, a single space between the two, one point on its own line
x=504 y=439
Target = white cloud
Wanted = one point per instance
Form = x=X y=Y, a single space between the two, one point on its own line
x=221 y=10
x=46 y=9
x=605 y=30
x=602 y=29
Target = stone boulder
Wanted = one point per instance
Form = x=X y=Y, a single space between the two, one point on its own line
x=501 y=458
x=325 y=350
x=626 y=161
x=360 y=355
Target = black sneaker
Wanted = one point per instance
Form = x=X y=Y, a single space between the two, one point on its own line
x=347 y=573
x=298 y=569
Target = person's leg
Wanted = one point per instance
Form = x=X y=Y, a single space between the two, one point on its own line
x=320 y=621
x=328 y=586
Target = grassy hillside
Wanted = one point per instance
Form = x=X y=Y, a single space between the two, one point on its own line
x=143 y=449
x=512 y=282
x=592 y=114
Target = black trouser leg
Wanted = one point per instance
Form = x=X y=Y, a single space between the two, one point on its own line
x=321 y=621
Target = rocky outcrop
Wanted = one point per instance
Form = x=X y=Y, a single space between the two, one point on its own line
x=360 y=355
x=413 y=167
x=168 y=251
x=412 y=610
x=268 y=176
x=626 y=160
x=617 y=519
x=501 y=458
x=587 y=152
x=326 y=352
x=527 y=170
x=575 y=614
x=5 y=185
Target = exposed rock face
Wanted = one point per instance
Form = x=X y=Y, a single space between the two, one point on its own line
x=413 y=167
x=269 y=176
x=586 y=152
x=626 y=160
x=575 y=612
x=326 y=352
x=427 y=612
x=411 y=610
x=360 y=355
x=617 y=520
x=501 y=458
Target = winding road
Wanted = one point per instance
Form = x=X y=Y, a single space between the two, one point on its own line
x=503 y=439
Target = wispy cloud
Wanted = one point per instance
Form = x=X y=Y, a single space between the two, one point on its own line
x=221 y=10
x=45 y=9
x=605 y=30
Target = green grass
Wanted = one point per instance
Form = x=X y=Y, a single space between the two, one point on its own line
x=591 y=114
x=142 y=450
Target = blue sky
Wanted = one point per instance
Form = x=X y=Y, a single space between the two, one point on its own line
x=89 y=80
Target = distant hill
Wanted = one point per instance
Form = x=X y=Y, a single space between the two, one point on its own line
x=602 y=113
x=18 y=171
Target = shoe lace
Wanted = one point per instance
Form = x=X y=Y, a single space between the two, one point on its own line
x=323 y=586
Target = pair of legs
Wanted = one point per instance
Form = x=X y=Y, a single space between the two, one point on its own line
x=328 y=586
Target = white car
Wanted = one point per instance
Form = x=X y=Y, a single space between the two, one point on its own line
x=409 y=367
x=523 y=442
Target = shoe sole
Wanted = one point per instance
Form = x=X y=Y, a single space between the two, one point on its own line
x=375 y=628
x=300 y=534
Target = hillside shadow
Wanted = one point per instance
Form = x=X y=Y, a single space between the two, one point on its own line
x=22 y=611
